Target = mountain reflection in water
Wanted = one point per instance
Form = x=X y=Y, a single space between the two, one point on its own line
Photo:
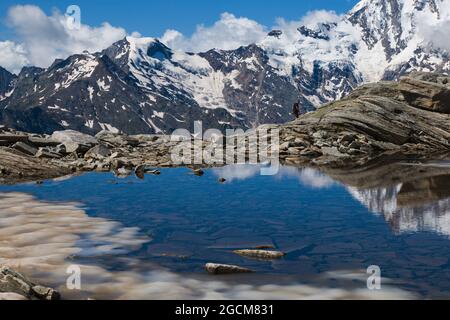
x=150 y=239
x=417 y=204
x=418 y=201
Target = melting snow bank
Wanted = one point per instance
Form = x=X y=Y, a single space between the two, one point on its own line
x=45 y=240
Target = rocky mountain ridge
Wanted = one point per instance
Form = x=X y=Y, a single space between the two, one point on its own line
x=140 y=85
x=408 y=119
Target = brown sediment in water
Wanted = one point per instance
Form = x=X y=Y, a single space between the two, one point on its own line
x=42 y=239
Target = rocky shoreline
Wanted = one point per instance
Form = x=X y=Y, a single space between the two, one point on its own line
x=30 y=157
x=400 y=120
x=405 y=119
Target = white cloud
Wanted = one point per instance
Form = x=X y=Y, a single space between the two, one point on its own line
x=312 y=18
x=436 y=35
x=237 y=172
x=12 y=56
x=309 y=177
x=433 y=28
x=230 y=32
x=41 y=38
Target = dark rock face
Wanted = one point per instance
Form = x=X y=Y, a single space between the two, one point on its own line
x=275 y=33
x=258 y=92
x=426 y=91
x=6 y=82
x=316 y=34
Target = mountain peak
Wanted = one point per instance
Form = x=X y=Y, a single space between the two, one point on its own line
x=140 y=85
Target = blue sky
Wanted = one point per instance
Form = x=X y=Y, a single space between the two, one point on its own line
x=36 y=32
x=152 y=18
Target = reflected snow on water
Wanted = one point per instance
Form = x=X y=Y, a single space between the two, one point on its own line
x=150 y=239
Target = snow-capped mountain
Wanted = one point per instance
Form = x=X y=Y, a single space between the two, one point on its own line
x=377 y=40
x=139 y=85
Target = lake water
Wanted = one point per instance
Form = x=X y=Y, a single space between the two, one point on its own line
x=150 y=239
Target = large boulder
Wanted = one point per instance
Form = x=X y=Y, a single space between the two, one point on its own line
x=406 y=118
x=116 y=139
x=427 y=91
x=25 y=148
x=74 y=141
x=98 y=152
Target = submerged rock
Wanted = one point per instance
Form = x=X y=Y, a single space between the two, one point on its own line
x=217 y=269
x=154 y=172
x=260 y=254
x=122 y=172
x=140 y=171
x=198 y=172
x=264 y=247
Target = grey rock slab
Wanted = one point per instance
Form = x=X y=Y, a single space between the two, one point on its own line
x=73 y=136
x=260 y=254
x=98 y=152
x=25 y=148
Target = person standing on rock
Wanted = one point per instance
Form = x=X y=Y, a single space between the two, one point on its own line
x=296 y=110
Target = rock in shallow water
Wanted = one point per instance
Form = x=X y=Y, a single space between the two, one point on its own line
x=260 y=254
x=198 y=172
x=217 y=269
x=140 y=172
